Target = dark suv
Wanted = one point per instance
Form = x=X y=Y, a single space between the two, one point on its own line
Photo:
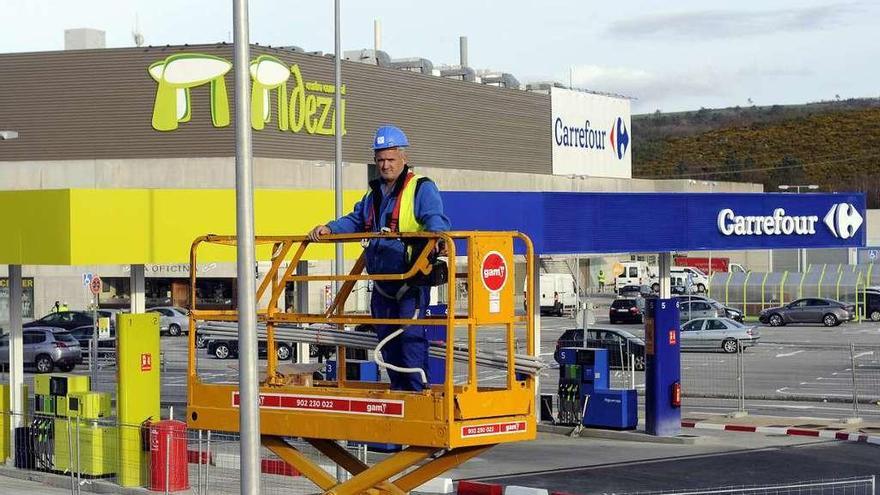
x=869 y=303
x=69 y=320
x=620 y=344
x=626 y=311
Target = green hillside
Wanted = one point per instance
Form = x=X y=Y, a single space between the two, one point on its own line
x=833 y=144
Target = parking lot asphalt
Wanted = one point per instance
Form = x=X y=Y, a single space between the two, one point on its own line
x=591 y=466
x=795 y=370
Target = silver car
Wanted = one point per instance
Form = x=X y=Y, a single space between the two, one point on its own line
x=717 y=334
x=172 y=320
x=696 y=308
x=809 y=310
x=45 y=348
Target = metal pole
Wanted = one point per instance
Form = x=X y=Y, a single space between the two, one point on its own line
x=168 y=462
x=93 y=352
x=137 y=279
x=855 y=390
x=665 y=262
x=199 y=470
x=78 y=457
x=70 y=457
x=16 y=354
x=337 y=169
x=208 y=460
x=741 y=372
x=535 y=304
x=249 y=419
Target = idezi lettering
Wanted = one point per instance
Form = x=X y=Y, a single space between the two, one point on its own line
x=309 y=106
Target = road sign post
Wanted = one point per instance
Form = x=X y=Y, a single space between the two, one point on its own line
x=95 y=286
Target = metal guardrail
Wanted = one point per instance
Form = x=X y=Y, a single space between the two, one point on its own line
x=853 y=377
x=865 y=485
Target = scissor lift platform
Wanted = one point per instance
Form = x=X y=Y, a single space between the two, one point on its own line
x=444 y=424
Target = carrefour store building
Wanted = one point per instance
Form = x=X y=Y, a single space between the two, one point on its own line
x=154 y=124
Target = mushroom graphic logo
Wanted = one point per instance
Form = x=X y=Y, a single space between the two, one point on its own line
x=268 y=73
x=175 y=76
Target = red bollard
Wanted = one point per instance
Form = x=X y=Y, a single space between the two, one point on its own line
x=168 y=456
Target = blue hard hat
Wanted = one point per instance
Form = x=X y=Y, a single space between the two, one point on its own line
x=389 y=136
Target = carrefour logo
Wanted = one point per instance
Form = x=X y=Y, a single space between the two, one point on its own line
x=843 y=220
x=584 y=136
x=622 y=138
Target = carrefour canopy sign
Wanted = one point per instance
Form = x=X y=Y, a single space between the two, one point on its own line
x=567 y=222
x=590 y=134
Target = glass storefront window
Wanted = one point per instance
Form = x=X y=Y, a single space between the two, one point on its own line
x=27 y=298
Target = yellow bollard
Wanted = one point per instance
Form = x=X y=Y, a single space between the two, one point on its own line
x=138 y=389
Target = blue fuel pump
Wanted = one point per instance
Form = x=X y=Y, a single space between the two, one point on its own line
x=663 y=368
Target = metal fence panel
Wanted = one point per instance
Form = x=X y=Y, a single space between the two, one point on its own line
x=841 y=486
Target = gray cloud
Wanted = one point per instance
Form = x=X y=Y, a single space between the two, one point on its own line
x=708 y=24
x=645 y=85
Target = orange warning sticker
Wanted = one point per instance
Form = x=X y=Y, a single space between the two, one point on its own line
x=672 y=339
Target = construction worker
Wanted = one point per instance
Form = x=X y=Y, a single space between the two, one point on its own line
x=601 y=281
x=64 y=307
x=398 y=201
x=56 y=307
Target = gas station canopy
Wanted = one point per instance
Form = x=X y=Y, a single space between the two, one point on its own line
x=140 y=226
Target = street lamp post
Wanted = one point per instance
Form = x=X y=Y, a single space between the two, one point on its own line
x=802 y=253
x=16 y=346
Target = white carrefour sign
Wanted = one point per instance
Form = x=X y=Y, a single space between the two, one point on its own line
x=591 y=134
x=843 y=221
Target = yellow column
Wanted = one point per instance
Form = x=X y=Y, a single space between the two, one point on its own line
x=137 y=393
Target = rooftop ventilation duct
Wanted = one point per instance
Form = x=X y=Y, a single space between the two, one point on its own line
x=461 y=73
x=503 y=80
x=367 y=56
x=415 y=64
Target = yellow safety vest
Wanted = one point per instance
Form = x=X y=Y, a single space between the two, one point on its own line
x=403 y=216
x=407 y=222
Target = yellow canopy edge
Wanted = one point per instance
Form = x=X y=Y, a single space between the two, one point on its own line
x=147 y=226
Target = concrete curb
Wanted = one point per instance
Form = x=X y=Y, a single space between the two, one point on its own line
x=60 y=481
x=784 y=430
x=624 y=435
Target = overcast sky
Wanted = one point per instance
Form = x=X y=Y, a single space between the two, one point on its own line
x=670 y=55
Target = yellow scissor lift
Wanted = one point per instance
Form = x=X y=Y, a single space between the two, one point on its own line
x=441 y=427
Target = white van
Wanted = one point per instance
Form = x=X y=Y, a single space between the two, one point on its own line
x=640 y=273
x=698 y=280
x=558 y=293
x=633 y=273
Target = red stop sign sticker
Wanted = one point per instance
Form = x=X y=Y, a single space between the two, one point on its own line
x=493 y=271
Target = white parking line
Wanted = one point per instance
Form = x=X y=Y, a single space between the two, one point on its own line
x=788 y=354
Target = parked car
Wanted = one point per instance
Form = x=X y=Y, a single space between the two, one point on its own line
x=726 y=311
x=695 y=308
x=83 y=335
x=628 y=291
x=626 y=311
x=717 y=334
x=868 y=302
x=228 y=349
x=809 y=310
x=620 y=344
x=45 y=348
x=69 y=320
x=173 y=320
